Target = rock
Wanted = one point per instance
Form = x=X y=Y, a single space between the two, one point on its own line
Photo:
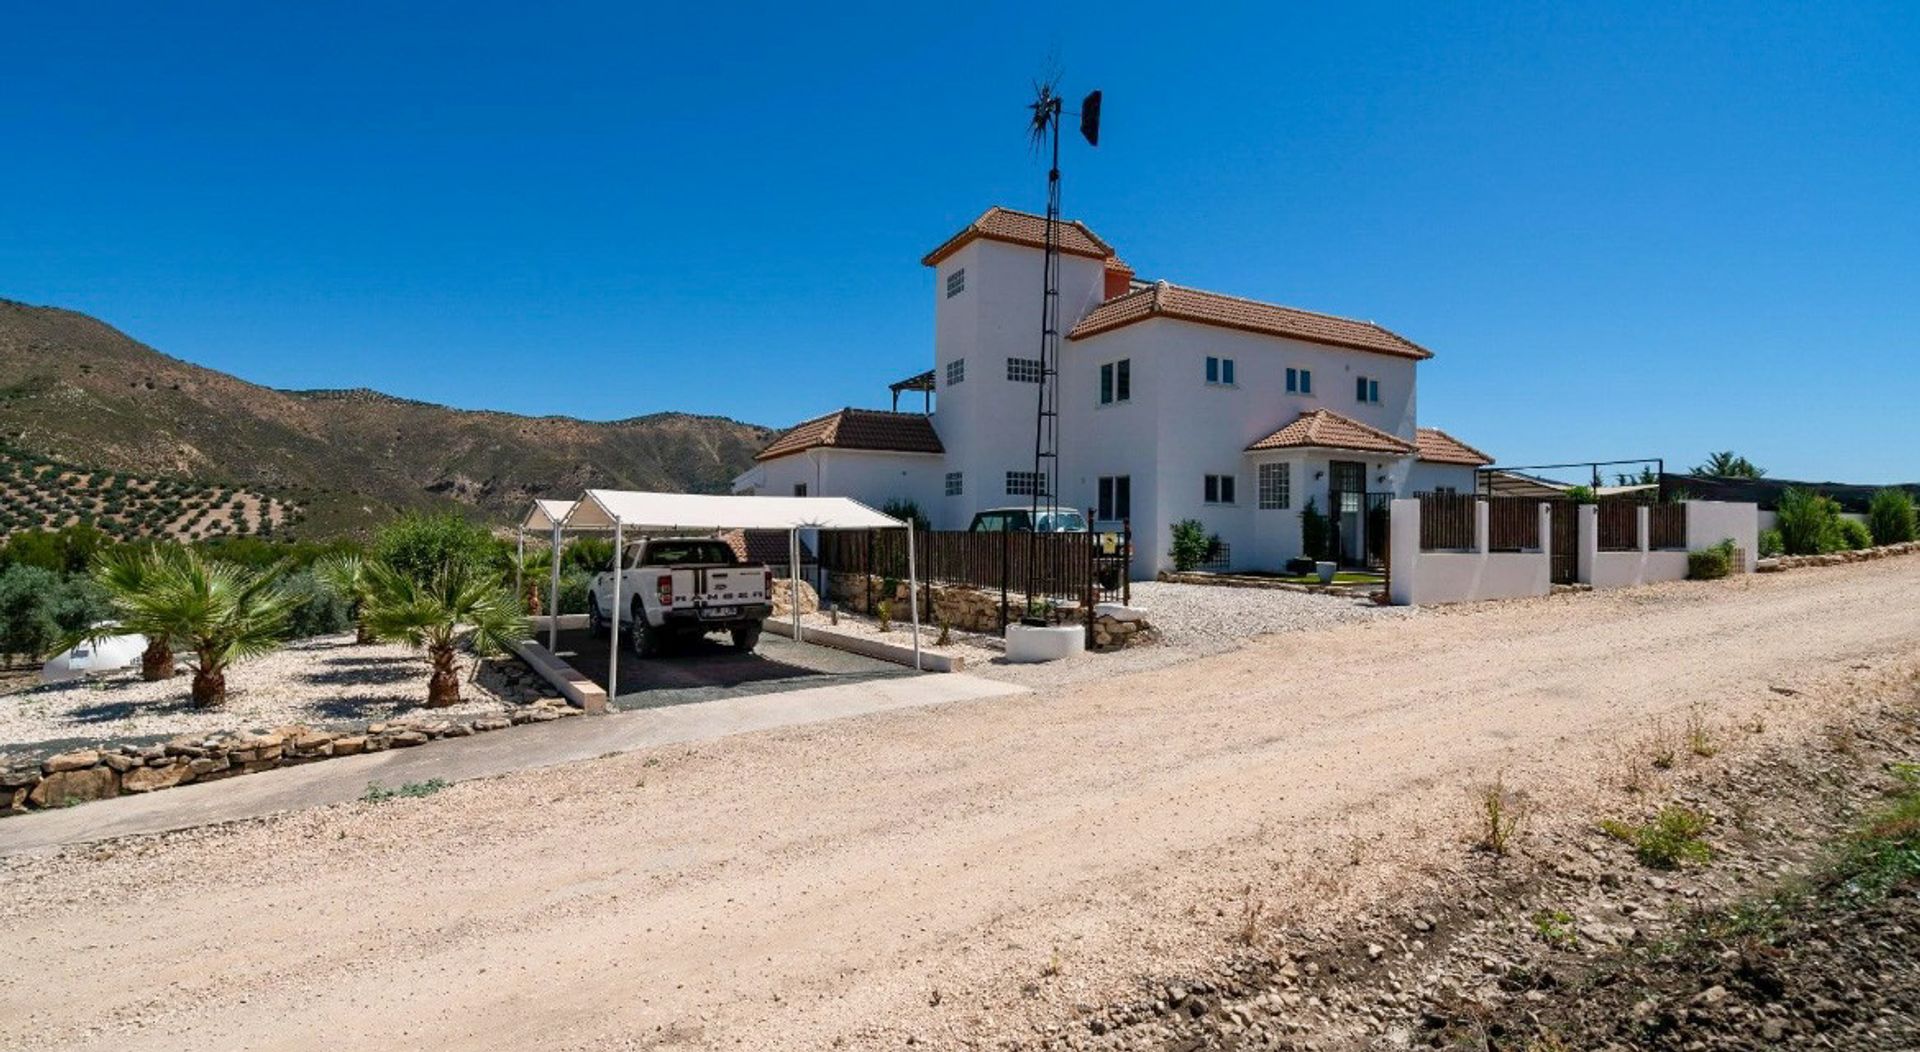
x=542 y=715
x=200 y=766
x=70 y=761
x=350 y=745
x=458 y=730
x=313 y=743
x=491 y=723
x=1375 y=951
x=147 y=779
x=75 y=786
x=120 y=761
x=14 y=799
x=20 y=778
x=408 y=738
x=436 y=729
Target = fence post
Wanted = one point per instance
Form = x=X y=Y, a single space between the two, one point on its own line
x=866 y=575
x=1006 y=562
x=1093 y=551
x=1482 y=527
x=1643 y=521
x=1126 y=561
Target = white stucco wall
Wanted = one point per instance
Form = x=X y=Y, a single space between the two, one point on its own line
x=1604 y=570
x=1711 y=521
x=873 y=478
x=1428 y=477
x=1423 y=578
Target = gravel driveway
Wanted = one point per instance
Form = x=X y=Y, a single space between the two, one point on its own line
x=960 y=876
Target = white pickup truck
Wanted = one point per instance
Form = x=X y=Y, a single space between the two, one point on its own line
x=676 y=588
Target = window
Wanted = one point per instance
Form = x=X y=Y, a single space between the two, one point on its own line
x=1116 y=498
x=956 y=371
x=1366 y=390
x=1219 y=557
x=1276 y=486
x=956 y=282
x=799 y=489
x=1219 y=489
x=1023 y=370
x=1116 y=381
x=1299 y=381
x=1220 y=371
x=1024 y=484
x=954 y=483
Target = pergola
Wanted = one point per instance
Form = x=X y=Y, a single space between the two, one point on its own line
x=655 y=513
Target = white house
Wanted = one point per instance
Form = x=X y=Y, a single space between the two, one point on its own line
x=1175 y=403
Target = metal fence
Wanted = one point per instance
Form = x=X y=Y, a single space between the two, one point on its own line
x=1667 y=526
x=1077 y=568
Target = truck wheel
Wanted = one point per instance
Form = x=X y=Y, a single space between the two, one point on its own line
x=596 y=621
x=644 y=638
x=746 y=637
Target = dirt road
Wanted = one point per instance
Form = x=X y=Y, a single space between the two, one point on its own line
x=955 y=873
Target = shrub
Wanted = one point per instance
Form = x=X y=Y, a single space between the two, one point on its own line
x=316 y=609
x=1583 y=495
x=1770 y=543
x=589 y=555
x=1891 y=517
x=1854 y=535
x=1809 y=523
x=574 y=585
x=1191 y=545
x=1711 y=564
x=423 y=546
x=39 y=606
x=1502 y=813
x=1316 y=532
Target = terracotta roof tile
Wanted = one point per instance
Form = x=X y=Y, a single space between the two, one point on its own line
x=1438 y=447
x=1022 y=228
x=874 y=429
x=1165 y=300
x=1326 y=429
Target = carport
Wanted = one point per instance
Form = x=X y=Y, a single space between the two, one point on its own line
x=643 y=513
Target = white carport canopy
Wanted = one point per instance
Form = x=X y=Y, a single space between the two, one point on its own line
x=644 y=512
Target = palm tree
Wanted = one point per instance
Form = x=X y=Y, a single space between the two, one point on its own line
x=125 y=574
x=1726 y=465
x=460 y=605
x=222 y=612
x=532 y=568
x=346 y=577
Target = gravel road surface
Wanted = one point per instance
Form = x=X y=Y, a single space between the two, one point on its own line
x=962 y=875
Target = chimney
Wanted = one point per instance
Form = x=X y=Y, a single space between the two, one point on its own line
x=1119 y=277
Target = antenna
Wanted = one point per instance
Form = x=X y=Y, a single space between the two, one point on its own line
x=1043 y=131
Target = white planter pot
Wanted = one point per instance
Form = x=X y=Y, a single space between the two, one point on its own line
x=1027 y=644
x=1326 y=571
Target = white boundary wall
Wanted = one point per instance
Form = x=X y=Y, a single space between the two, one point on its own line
x=1711 y=521
x=1625 y=569
x=1424 y=578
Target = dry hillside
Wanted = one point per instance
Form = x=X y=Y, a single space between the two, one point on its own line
x=79 y=391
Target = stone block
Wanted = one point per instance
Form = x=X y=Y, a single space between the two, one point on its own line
x=70 y=761
x=147 y=779
x=75 y=786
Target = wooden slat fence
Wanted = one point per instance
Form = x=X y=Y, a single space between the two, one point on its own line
x=1513 y=524
x=1667 y=526
x=1619 y=526
x=1446 y=522
x=1057 y=565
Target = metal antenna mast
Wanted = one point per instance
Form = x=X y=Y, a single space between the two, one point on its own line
x=1045 y=131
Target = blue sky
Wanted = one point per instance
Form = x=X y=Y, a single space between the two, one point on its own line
x=1634 y=231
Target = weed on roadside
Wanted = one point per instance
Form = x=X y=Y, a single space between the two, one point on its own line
x=377 y=793
x=1671 y=840
x=1557 y=928
x=1699 y=734
x=1249 y=933
x=1502 y=813
x=1661 y=752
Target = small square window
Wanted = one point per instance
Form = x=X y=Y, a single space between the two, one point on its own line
x=954 y=483
x=1218 y=489
x=1023 y=370
x=1025 y=484
x=1276 y=486
x=956 y=371
x=1366 y=390
x=956 y=282
x=799 y=489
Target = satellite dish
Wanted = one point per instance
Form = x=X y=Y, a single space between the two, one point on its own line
x=1090 y=118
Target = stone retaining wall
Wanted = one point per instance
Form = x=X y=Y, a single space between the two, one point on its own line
x=96 y=774
x=1794 y=562
x=1111 y=633
x=963 y=607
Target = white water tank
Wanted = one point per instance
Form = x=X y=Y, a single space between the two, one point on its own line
x=102 y=655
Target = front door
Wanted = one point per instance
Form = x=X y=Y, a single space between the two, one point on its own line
x=1346 y=500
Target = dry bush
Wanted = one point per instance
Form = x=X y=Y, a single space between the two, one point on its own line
x=1700 y=734
x=1660 y=748
x=1250 y=912
x=1501 y=813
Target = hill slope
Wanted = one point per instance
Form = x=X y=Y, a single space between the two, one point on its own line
x=77 y=390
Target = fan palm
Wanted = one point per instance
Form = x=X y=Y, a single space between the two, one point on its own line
x=125 y=574
x=346 y=577
x=459 y=605
x=532 y=568
x=222 y=612
x=1725 y=464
